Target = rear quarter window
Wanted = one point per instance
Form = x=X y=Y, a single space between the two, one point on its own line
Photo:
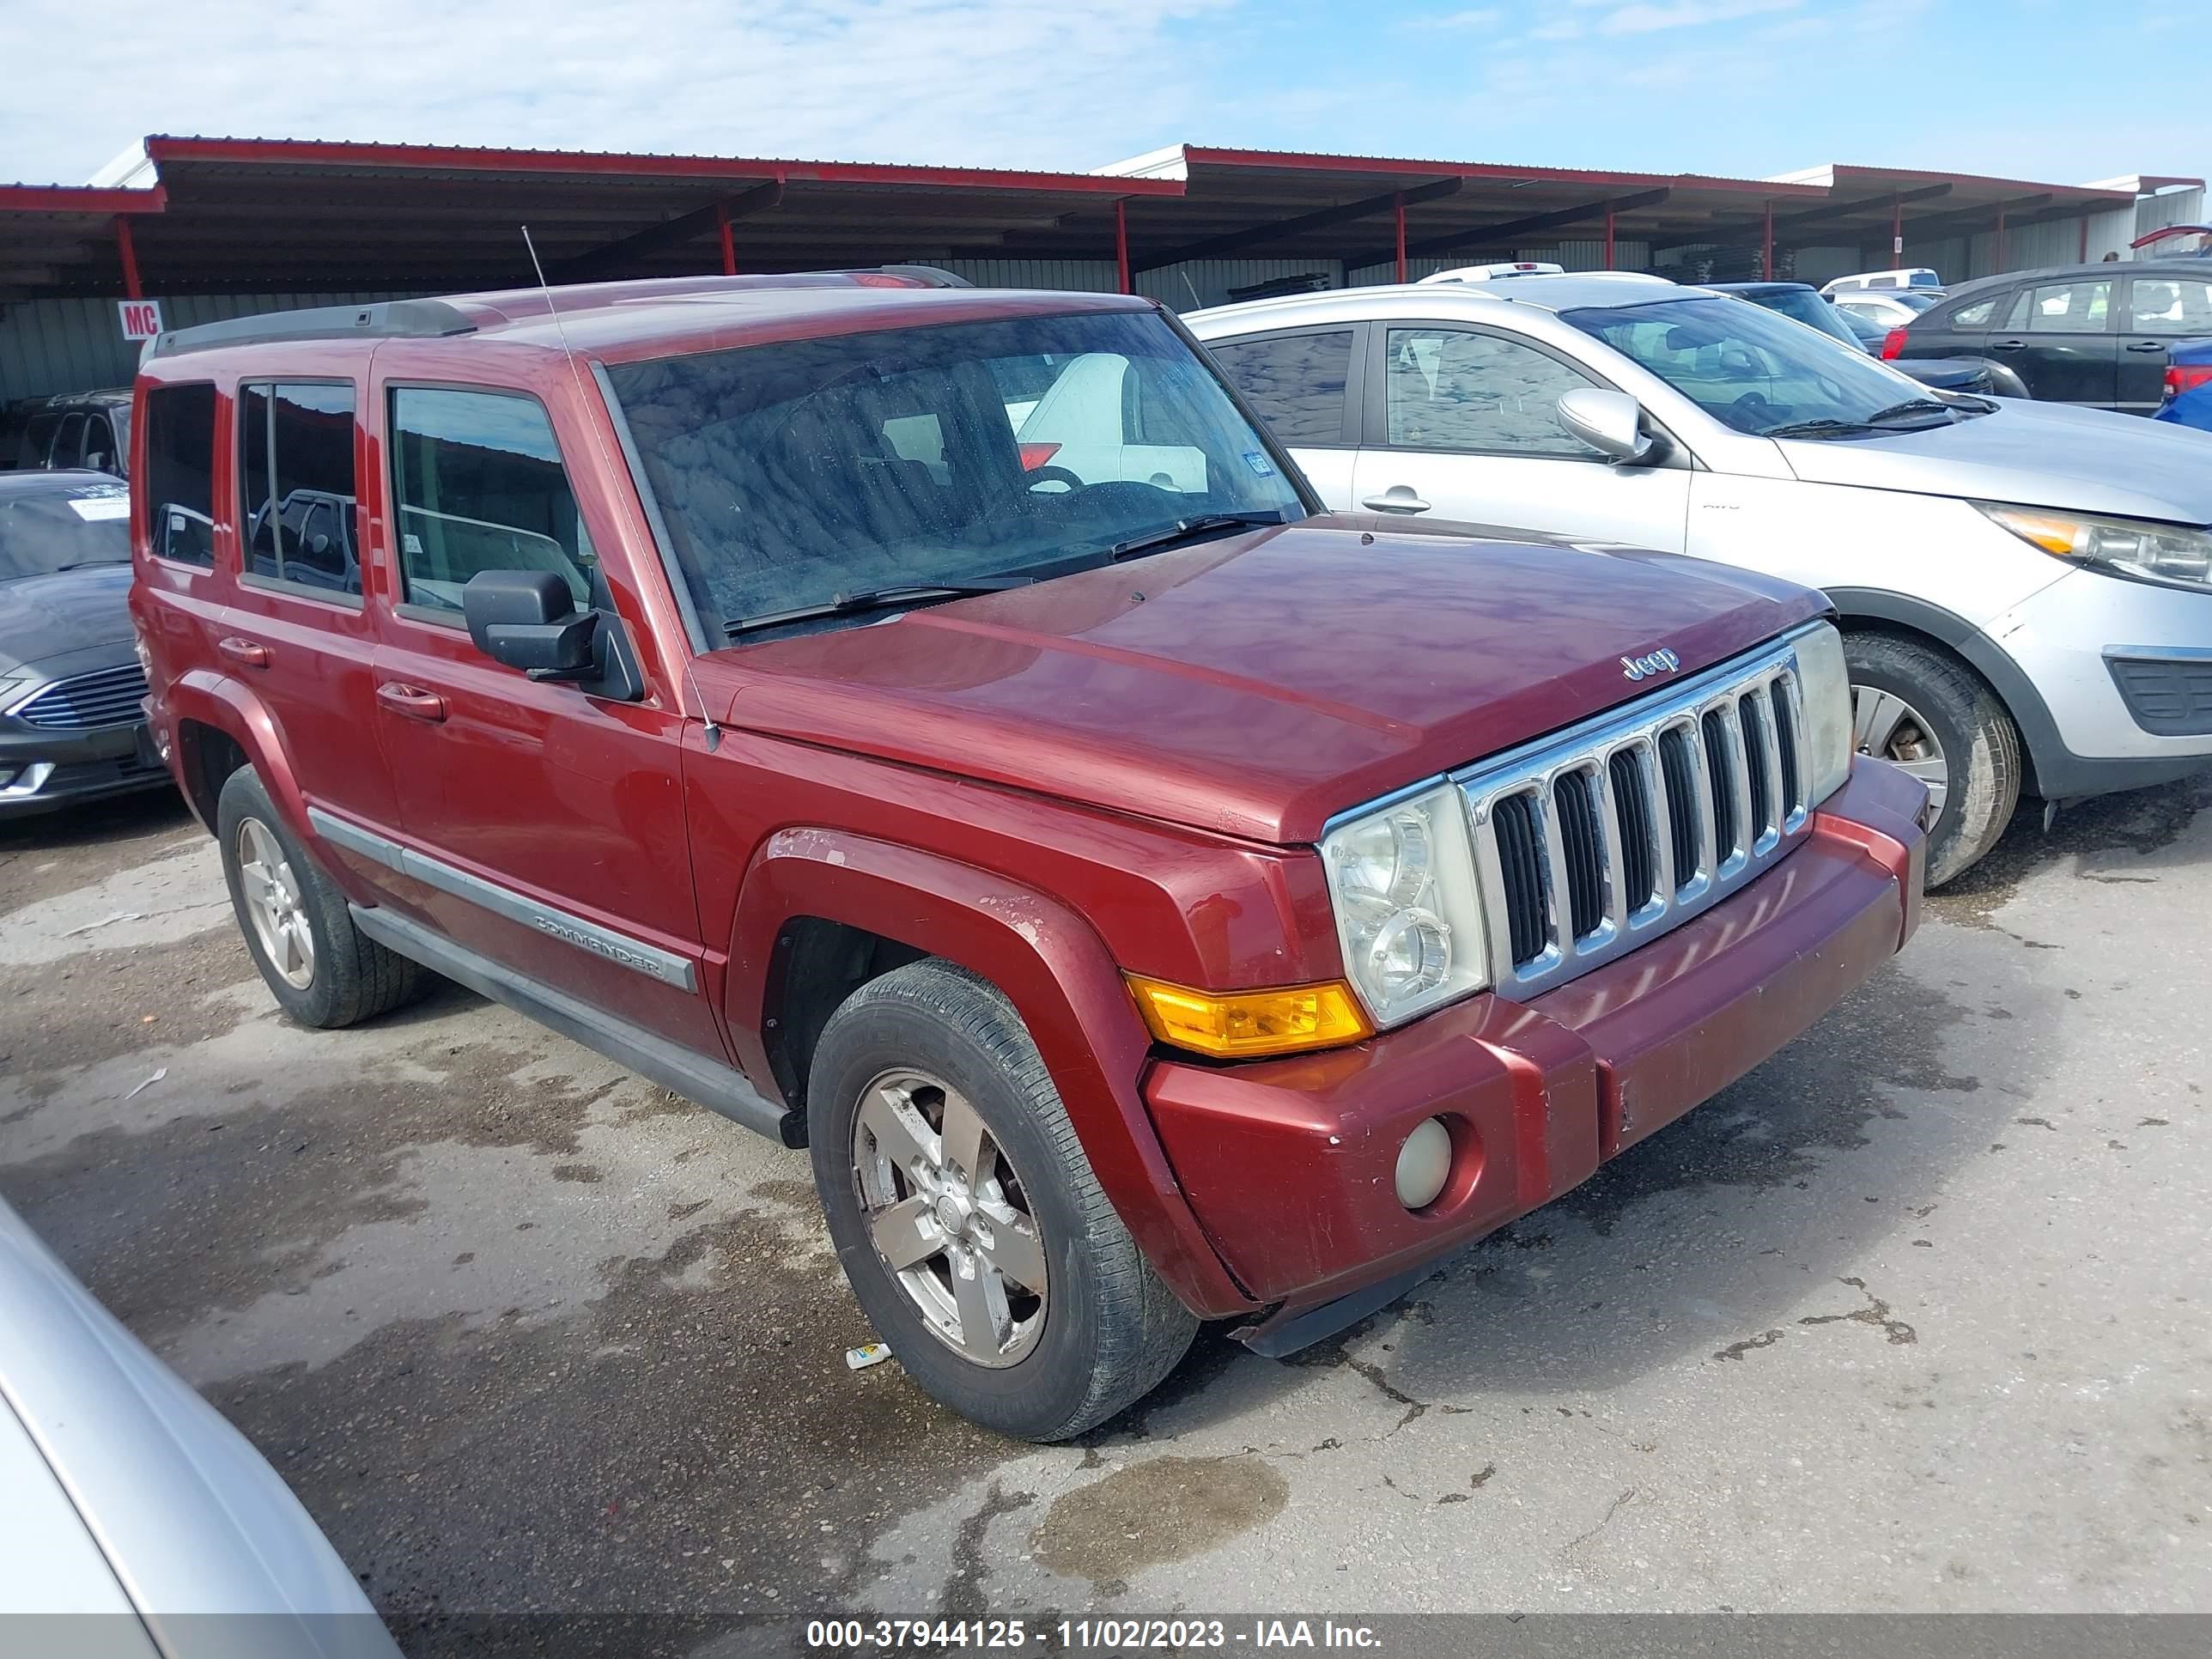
x=180 y=481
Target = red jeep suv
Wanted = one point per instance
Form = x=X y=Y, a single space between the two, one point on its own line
x=940 y=728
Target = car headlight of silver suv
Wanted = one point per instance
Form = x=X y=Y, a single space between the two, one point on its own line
x=2172 y=555
x=1824 y=686
x=1408 y=914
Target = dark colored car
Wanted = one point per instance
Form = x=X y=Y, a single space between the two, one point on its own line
x=89 y=430
x=940 y=728
x=1803 y=303
x=2188 y=385
x=70 y=685
x=2097 y=335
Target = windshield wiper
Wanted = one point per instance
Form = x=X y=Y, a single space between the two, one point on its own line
x=874 y=598
x=1822 y=428
x=1183 y=530
x=1910 y=406
x=87 y=564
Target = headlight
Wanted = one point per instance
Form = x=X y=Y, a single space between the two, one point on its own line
x=2172 y=555
x=1824 y=688
x=1401 y=879
x=11 y=684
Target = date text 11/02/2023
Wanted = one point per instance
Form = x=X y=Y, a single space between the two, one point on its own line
x=1088 y=1635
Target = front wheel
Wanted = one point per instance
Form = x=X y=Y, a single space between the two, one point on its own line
x=967 y=1217
x=1925 y=711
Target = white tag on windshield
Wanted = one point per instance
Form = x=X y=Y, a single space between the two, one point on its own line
x=93 y=508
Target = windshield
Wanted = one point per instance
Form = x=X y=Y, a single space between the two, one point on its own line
x=793 y=474
x=45 y=530
x=1747 y=368
x=1803 y=305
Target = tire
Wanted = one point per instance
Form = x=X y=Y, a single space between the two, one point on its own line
x=1979 y=744
x=346 y=977
x=1105 y=1329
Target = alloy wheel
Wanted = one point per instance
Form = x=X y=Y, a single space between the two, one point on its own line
x=275 y=905
x=1886 y=727
x=950 y=1217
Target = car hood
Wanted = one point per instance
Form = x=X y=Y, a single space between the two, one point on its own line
x=1257 y=684
x=191 y=1521
x=2090 y=460
x=44 y=616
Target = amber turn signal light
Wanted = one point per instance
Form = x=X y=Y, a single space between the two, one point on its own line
x=1248 y=1025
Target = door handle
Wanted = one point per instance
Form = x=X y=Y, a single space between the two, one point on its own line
x=2007 y=345
x=250 y=653
x=1396 y=498
x=2147 y=346
x=411 y=700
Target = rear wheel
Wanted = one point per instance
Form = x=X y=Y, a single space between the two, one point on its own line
x=1928 y=713
x=323 y=970
x=967 y=1217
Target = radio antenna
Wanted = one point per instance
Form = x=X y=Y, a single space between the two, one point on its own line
x=576 y=368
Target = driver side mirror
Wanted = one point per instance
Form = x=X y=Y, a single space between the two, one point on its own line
x=528 y=619
x=1611 y=422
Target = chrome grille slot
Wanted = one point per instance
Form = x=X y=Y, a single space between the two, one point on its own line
x=1520 y=874
x=1720 y=782
x=1593 y=841
x=108 y=697
x=1783 y=695
x=1574 y=804
x=1758 y=763
x=1686 y=810
x=1634 y=806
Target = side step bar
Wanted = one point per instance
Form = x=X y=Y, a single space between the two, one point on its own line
x=676 y=1069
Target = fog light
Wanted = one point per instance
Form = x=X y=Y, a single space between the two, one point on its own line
x=1424 y=1164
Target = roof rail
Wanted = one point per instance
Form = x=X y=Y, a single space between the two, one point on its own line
x=389 y=320
x=929 y=276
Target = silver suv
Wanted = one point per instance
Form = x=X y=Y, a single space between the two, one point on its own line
x=2026 y=587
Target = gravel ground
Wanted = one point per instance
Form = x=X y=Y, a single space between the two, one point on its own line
x=1912 y=1319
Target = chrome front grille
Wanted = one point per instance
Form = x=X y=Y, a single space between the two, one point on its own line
x=1590 y=842
x=108 y=697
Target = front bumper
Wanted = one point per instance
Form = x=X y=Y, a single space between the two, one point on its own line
x=43 y=769
x=2066 y=639
x=1289 y=1164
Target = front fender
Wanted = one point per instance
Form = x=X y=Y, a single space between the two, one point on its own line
x=1051 y=966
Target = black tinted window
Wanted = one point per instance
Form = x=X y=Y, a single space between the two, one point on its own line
x=1976 y=315
x=180 y=472
x=1449 y=389
x=69 y=448
x=297 y=484
x=1295 y=380
x=2069 y=308
x=38 y=440
x=479 y=485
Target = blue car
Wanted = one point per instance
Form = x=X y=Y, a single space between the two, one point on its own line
x=2188 y=386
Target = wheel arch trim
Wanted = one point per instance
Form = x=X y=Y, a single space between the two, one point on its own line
x=1043 y=957
x=2048 y=757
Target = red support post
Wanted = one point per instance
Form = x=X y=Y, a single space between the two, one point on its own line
x=1398 y=211
x=1608 y=236
x=729 y=241
x=1766 y=246
x=129 y=251
x=1122 y=245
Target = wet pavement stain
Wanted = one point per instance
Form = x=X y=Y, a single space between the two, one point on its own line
x=94 y=1005
x=1165 y=1508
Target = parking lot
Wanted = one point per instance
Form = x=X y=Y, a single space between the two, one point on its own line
x=1912 y=1318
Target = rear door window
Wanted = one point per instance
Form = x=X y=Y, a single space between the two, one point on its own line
x=2070 y=307
x=1975 y=316
x=180 y=472
x=297 y=484
x=1295 y=382
x=478 y=484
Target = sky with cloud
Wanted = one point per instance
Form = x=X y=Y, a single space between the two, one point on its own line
x=2036 y=88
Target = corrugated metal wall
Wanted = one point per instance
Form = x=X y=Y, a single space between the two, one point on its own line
x=1575 y=255
x=1082 y=275
x=1197 y=283
x=76 y=345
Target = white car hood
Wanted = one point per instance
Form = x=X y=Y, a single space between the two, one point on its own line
x=191 y=1522
x=2089 y=461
